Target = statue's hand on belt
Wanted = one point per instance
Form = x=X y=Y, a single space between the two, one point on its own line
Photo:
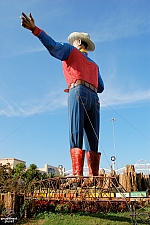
x=27 y=21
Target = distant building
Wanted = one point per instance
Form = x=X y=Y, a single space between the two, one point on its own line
x=51 y=170
x=12 y=161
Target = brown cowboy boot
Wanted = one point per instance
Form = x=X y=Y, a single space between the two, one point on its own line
x=93 y=160
x=77 y=157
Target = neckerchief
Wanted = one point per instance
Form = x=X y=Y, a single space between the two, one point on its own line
x=83 y=50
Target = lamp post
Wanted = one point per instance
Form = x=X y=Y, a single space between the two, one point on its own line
x=113 y=158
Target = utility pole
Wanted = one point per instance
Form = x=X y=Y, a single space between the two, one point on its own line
x=114 y=158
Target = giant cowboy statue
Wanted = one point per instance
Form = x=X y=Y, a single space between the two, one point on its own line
x=84 y=82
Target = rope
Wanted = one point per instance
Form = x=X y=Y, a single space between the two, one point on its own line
x=55 y=98
x=126 y=121
x=30 y=118
x=94 y=130
x=129 y=208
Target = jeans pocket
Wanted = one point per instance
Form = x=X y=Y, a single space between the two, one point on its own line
x=82 y=97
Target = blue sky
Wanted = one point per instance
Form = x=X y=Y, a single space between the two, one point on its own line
x=33 y=106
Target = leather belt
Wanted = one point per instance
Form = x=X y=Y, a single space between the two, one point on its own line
x=77 y=82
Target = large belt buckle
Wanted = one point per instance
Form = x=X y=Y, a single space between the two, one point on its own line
x=72 y=85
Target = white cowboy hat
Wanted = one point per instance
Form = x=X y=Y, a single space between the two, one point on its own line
x=84 y=37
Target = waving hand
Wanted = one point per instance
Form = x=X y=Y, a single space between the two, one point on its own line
x=27 y=21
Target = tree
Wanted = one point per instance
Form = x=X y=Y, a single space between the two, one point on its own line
x=19 y=171
x=19 y=179
x=32 y=174
x=5 y=177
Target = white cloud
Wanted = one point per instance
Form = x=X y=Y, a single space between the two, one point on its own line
x=114 y=97
x=50 y=103
x=54 y=101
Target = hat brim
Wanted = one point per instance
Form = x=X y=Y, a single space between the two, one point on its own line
x=76 y=36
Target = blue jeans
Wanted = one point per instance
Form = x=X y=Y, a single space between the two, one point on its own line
x=83 y=109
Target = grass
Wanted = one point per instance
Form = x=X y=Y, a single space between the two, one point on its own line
x=64 y=218
x=83 y=219
x=76 y=219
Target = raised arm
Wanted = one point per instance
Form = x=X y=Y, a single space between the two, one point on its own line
x=58 y=50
